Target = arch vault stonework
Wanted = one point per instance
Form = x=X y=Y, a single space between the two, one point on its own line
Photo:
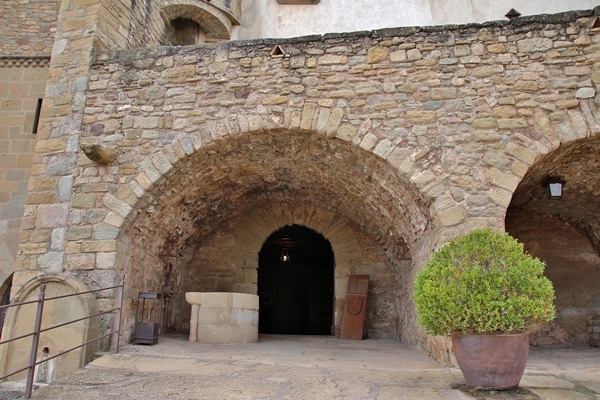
x=389 y=143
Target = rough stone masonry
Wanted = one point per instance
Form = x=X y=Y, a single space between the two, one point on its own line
x=387 y=142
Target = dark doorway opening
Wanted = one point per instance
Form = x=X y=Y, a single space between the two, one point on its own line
x=295 y=283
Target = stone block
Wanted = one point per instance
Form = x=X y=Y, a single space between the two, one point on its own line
x=331 y=59
x=77 y=262
x=51 y=215
x=585 y=93
x=221 y=317
x=377 y=54
x=506 y=111
x=106 y=260
x=347 y=132
x=534 y=45
x=94 y=246
x=275 y=100
x=398 y=56
x=496 y=48
x=117 y=205
x=512 y=123
x=566 y=104
x=443 y=93
x=421 y=117
x=414 y=54
x=452 y=216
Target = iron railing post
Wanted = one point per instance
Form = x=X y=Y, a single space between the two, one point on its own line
x=117 y=323
x=35 y=341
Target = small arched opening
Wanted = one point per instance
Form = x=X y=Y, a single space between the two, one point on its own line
x=187 y=32
x=295 y=283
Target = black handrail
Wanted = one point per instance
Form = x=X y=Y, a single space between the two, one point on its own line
x=37 y=330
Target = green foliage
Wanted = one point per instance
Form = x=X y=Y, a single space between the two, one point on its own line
x=483 y=282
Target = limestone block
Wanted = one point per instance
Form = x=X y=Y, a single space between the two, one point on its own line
x=275 y=100
x=578 y=71
x=89 y=246
x=565 y=104
x=443 y=93
x=414 y=54
x=77 y=262
x=377 y=54
x=421 y=117
x=51 y=215
x=117 y=205
x=497 y=48
x=512 y=123
x=106 y=260
x=223 y=317
x=398 y=56
x=331 y=59
x=347 y=132
x=585 y=93
x=452 y=216
x=534 y=45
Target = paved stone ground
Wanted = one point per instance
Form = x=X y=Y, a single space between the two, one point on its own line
x=284 y=367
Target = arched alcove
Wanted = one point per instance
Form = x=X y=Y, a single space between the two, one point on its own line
x=212 y=22
x=564 y=233
x=186 y=32
x=203 y=226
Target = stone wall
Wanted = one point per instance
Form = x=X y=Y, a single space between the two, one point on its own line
x=457 y=115
x=411 y=136
x=20 y=88
x=28 y=27
x=129 y=24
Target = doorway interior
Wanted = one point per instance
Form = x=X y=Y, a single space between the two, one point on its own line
x=295 y=283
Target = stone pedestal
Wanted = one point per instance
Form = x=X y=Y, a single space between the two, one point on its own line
x=220 y=317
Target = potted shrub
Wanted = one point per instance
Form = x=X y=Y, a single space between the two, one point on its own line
x=485 y=291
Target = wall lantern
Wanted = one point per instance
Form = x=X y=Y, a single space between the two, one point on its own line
x=284 y=259
x=555 y=188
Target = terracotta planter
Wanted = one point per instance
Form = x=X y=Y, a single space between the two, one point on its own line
x=490 y=361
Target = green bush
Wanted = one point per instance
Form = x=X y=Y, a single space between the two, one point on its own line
x=483 y=282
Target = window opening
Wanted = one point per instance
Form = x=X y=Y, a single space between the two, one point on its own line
x=36 y=118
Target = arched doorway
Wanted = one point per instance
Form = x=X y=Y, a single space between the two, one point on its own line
x=295 y=283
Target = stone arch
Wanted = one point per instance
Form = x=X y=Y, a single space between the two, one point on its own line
x=350 y=256
x=215 y=23
x=564 y=233
x=19 y=321
x=200 y=196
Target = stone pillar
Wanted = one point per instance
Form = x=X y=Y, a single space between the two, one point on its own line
x=45 y=224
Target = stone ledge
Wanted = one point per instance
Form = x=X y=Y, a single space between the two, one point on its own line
x=24 y=61
x=125 y=56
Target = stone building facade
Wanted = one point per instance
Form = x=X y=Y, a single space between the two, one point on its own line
x=175 y=165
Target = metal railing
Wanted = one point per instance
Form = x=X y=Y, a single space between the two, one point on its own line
x=37 y=330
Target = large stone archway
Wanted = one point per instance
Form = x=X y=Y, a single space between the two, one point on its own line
x=202 y=226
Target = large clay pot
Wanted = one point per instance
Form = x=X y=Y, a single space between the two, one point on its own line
x=491 y=361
